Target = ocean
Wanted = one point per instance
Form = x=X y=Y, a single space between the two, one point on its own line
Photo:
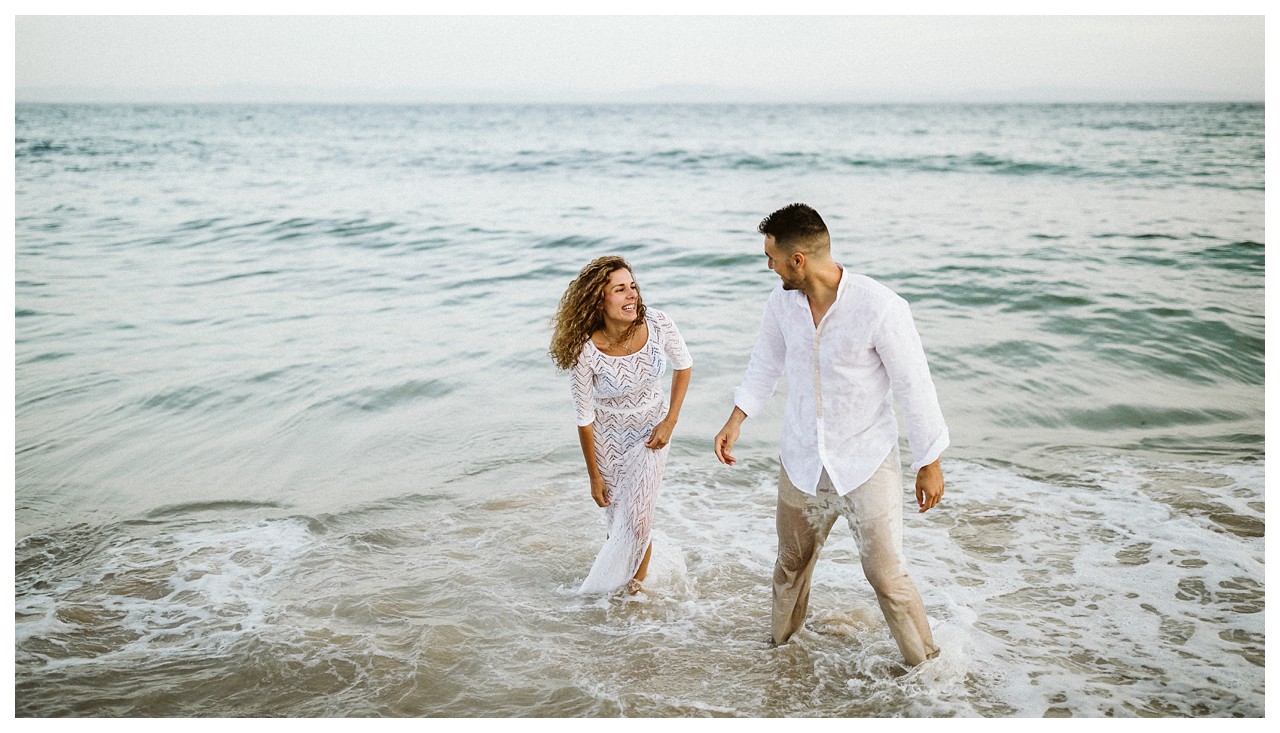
x=288 y=441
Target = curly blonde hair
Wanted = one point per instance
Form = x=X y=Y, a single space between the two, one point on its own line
x=581 y=311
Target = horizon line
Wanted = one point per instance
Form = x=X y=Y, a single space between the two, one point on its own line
x=627 y=103
x=660 y=94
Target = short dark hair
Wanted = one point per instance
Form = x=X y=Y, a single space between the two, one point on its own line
x=791 y=225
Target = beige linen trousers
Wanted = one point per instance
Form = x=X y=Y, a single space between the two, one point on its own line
x=874 y=513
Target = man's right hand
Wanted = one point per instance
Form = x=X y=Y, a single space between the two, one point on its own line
x=728 y=435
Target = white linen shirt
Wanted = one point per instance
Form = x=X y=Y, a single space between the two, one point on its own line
x=841 y=376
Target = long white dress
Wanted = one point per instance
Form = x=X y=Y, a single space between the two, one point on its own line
x=622 y=396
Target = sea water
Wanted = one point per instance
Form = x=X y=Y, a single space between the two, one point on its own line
x=288 y=441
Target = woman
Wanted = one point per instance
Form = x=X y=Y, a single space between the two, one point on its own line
x=616 y=351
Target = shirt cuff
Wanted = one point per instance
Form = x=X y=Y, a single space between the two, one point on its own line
x=748 y=403
x=934 y=451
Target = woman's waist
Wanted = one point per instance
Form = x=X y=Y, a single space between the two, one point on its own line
x=631 y=405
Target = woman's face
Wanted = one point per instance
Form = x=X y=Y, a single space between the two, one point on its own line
x=621 y=296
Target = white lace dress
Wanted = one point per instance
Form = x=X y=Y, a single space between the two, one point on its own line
x=622 y=396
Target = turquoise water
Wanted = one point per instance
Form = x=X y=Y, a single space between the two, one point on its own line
x=288 y=441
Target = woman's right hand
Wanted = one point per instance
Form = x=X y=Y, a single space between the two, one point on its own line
x=599 y=491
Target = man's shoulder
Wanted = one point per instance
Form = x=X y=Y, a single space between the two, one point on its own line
x=871 y=292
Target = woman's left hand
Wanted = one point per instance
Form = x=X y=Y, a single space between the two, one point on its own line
x=661 y=435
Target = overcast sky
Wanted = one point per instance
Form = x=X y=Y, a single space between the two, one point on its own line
x=643 y=58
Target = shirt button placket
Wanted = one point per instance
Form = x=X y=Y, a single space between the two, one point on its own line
x=817 y=372
x=817 y=390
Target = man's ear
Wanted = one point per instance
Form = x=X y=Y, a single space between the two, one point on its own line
x=797 y=259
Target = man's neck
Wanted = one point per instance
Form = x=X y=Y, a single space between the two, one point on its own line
x=822 y=288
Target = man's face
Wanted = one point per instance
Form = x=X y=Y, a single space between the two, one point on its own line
x=781 y=263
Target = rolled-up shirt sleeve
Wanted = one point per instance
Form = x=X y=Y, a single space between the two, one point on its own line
x=768 y=359
x=902 y=353
x=581 y=385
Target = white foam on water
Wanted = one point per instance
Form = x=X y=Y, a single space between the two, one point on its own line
x=667 y=571
x=191 y=590
x=1096 y=598
x=1099 y=597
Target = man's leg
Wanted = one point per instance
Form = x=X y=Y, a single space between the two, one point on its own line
x=802 y=528
x=876 y=520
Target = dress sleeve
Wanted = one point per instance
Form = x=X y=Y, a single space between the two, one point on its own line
x=672 y=342
x=582 y=382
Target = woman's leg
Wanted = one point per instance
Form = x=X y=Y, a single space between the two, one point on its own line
x=633 y=585
x=644 y=564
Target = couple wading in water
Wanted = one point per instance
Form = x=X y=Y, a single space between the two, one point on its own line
x=847 y=345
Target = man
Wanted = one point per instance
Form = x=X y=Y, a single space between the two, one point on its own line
x=847 y=344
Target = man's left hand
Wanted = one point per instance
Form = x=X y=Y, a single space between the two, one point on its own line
x=929 y=486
